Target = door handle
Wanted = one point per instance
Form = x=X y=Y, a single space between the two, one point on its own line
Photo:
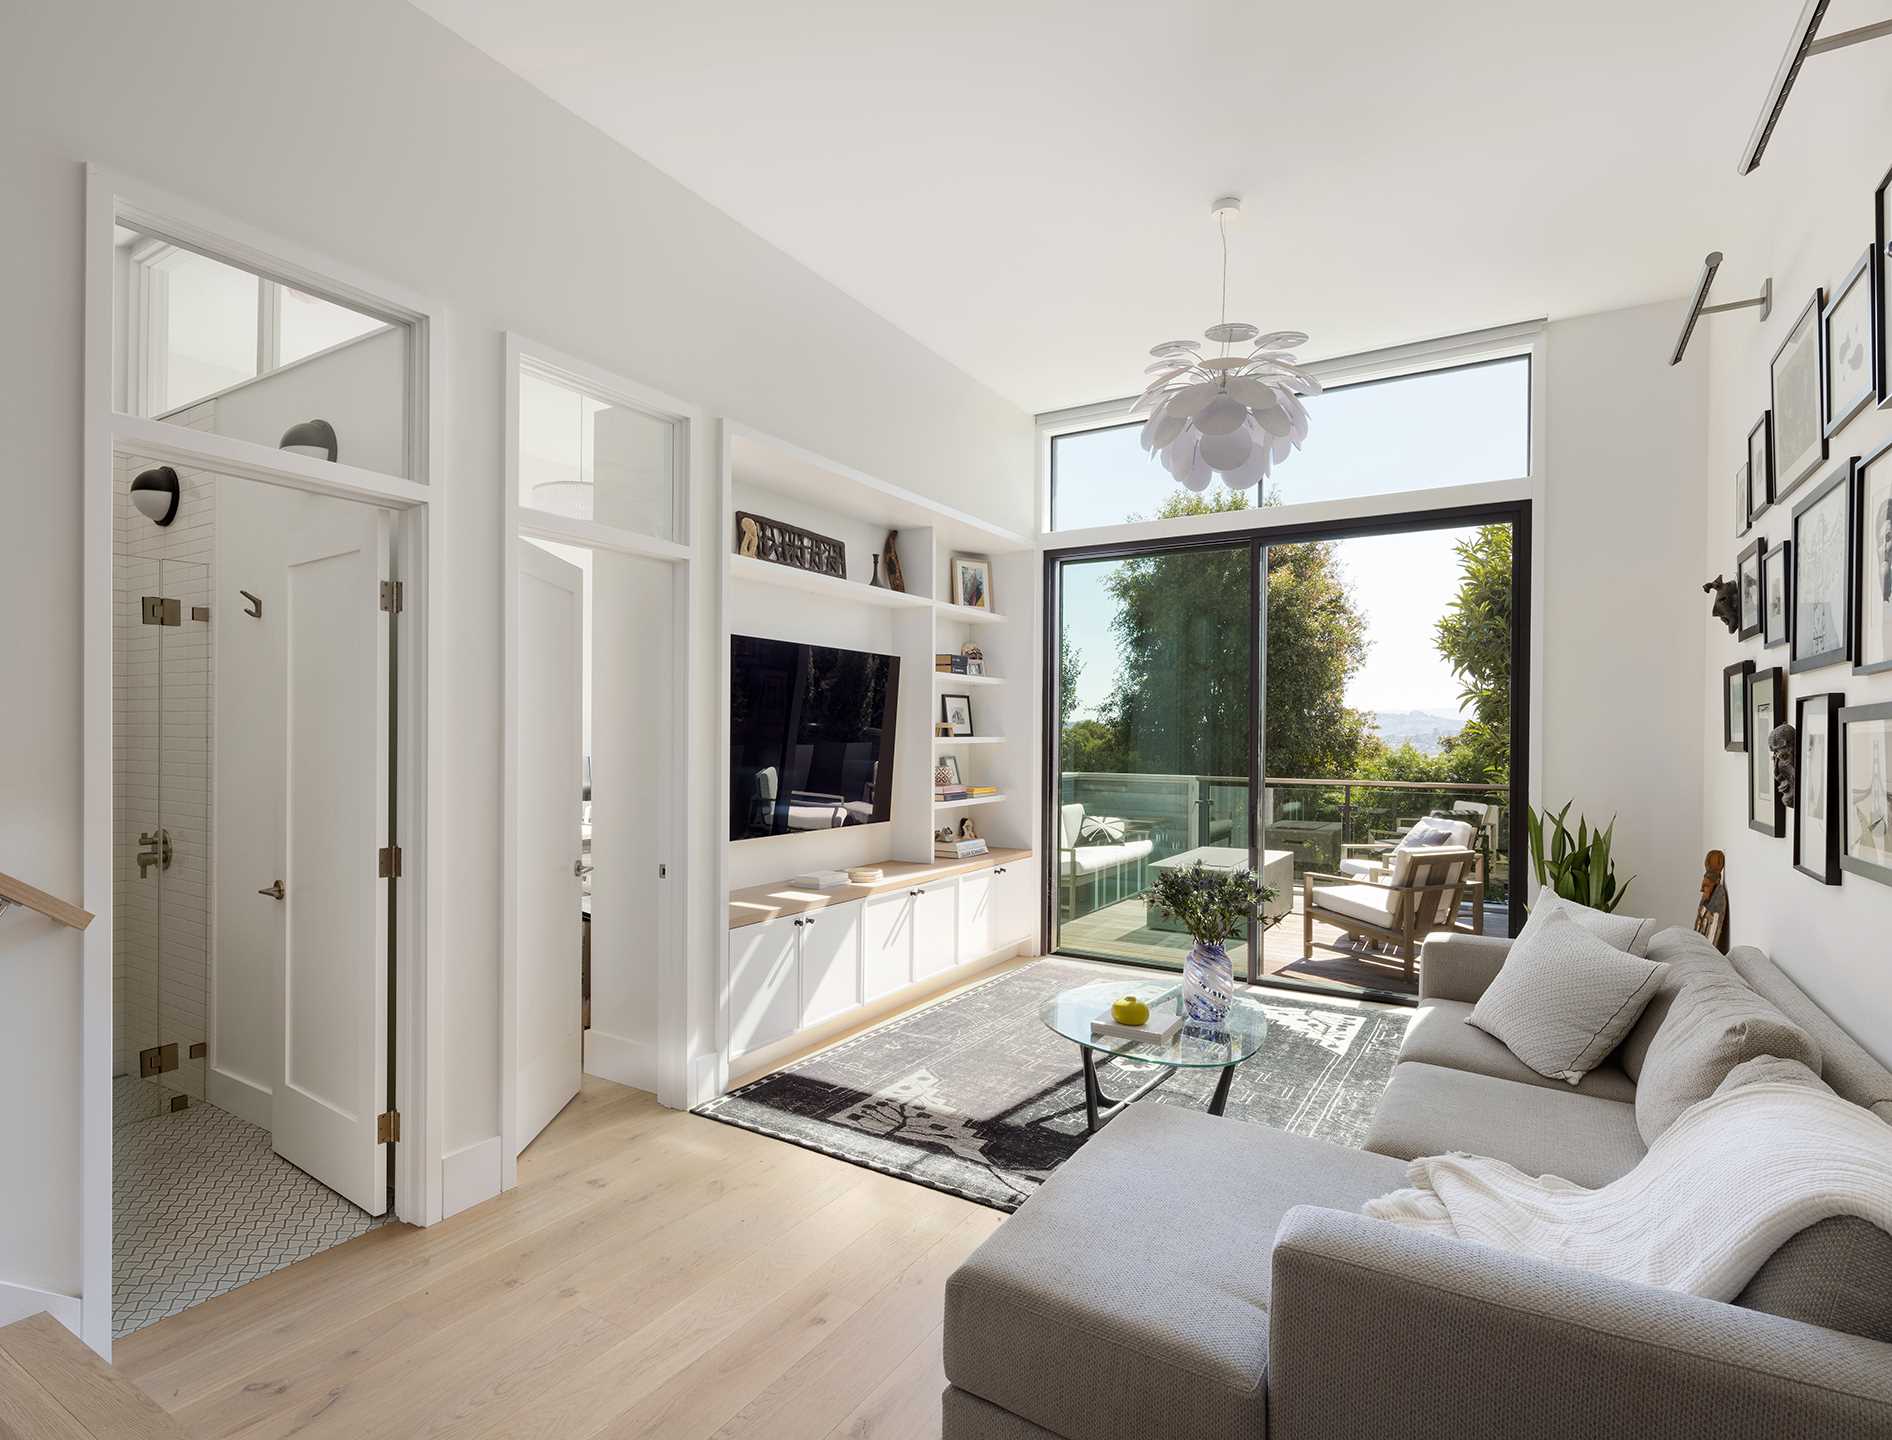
x=580 y=869
x=275 y=892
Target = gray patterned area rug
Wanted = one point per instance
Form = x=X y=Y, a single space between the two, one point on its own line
x=976 y=1097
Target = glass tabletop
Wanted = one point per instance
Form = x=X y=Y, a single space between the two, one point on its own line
x=1194 y=1046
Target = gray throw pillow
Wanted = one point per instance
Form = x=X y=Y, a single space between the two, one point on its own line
x=1619 y=932
x=1686 y=954
x=1563 y=999
x=1715 y=1023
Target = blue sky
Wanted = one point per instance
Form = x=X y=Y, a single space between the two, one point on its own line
x=1452 y=427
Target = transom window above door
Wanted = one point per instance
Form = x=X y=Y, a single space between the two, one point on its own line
x=586 y=454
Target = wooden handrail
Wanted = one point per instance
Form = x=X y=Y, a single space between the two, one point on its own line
x=14 y=891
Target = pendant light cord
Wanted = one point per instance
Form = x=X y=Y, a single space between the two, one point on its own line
x=1221 y=224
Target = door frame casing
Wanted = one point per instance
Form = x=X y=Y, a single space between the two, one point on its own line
x=1511 y=507
x=519 y=522
x=420 y=710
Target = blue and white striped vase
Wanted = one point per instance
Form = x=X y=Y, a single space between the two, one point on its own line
x=1208 y=984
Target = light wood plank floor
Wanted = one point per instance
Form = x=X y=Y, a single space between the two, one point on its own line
x=654 y=1274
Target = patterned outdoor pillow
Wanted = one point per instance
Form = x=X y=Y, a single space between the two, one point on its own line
x=1101 y=830
x=1563 y=999
x=1424 y=835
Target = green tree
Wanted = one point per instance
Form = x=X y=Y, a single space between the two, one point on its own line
x=1091 y=746
x=1474 y=636
x=1181 y=700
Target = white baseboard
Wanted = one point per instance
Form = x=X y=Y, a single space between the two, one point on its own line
x=469 y=1175
x=613 y=1057
x=242 y=1097
x=17 y=1302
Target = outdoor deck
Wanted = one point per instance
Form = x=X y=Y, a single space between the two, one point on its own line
x=1121 y=932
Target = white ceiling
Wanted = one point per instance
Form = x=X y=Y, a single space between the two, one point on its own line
x=1025 y=187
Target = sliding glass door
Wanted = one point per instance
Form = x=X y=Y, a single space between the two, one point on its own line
x=1297 y=700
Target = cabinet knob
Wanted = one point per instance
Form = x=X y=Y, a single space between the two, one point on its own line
x=798 y=924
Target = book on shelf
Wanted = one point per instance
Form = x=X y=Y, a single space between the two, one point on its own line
x=951 y=792
x=950 y=664
x=958 y=849
x=976 y=790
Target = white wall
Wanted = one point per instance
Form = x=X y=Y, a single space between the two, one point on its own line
x=1804 y=218
x=392 y=146
x=1622 y=649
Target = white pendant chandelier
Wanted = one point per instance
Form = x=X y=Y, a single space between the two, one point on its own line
x=1237 y=416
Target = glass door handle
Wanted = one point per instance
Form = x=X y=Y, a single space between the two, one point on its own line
x=275 y=892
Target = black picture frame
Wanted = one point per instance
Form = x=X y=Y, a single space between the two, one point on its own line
x=1882 y=286
x=1817 y=810
x=1872 y=562
x=1831 y=497
x=1765 y=688
x=1863 y=799
x=1804 y=391
x=1760 y=465
x=1735 y=679
x=1839 y=410
x=1743 y=522
x=1746 y=565
x=1776 y=634
x=946 y=714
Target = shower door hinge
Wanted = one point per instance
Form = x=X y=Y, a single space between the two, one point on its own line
x=389 y=862
x=158 y=1060
x=161 y=610
x=391 y=596
x=387 y=1127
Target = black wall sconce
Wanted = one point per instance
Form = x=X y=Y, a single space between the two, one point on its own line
x=310 y=437
x=155 y=492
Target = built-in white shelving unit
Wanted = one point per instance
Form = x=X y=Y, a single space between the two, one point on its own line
x=946 y=742
x=763 y=572
x=970 y=800
x=975 y=680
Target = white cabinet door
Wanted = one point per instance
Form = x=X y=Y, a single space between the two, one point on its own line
x=764 y=986
x=887 y=943
x=935 y=923
x=830 y=962
x=975 y=917
x=1015 y=904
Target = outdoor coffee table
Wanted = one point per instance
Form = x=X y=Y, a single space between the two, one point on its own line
x=1194 y=1047
x=1277 y=873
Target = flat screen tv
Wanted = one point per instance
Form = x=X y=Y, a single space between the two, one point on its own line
x=811 y=736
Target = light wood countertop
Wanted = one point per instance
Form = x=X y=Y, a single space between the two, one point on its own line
x=770 y=902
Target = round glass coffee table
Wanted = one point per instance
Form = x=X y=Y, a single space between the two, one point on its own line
x=1193 y=1047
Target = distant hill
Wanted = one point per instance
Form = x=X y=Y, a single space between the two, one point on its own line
x=1425 y=730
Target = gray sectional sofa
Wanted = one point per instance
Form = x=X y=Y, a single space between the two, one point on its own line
x=1195 y=1278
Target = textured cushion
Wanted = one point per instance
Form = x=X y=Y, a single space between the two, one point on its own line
x=1685 y=953
x=1129 y=1295
x=1541 y=1129
x=1844 y=1064
x=1370 y=903
x=1564 y=998
x=1439 y=1036
x=1620 y=932
x=1716 y=1023
x=1453 y=966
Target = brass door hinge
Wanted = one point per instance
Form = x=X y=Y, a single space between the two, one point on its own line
x=388 y=862
x=392 y=596
x=387 y=1127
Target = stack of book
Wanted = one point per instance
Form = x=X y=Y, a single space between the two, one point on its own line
x=952 y=792
x=950 y=664
x=958 y=849
x=974 y=791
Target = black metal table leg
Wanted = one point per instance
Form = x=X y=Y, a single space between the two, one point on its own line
x=1099 y=1109
x=1218 y=1102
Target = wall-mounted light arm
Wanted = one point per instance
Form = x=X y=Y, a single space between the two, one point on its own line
x=1699 y=307
x=1804 y=43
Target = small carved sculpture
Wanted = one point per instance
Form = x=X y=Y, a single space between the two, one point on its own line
x=1711 y=916
x=1727 y=606
x=751 y=537
x=890 y=563
x=967 y=830
x=1784 y=744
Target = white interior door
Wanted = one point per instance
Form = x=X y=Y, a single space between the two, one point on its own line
x=548 y=942
x=333 y=1080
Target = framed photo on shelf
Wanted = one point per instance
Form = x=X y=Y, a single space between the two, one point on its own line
x=1777 y=595
x=1823 y=573
x=972 y=582
x=1849 y=369
x=955 y=712
x=1760 y=467
x=1766 y=705
x=1865 y=791
x=1799 y=432
x=1815 y=813
x=946 y=771
x=1882 y=285
x=1748 y=573
x=1734 y=683
x=1872 y=609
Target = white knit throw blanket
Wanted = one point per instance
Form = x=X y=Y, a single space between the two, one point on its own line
x=1718 y=1193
